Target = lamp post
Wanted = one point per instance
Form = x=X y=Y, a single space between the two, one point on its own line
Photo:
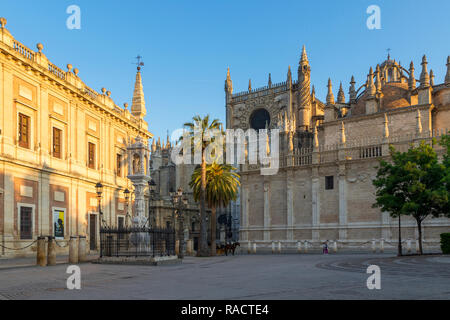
x=126 y=194
x=99 y=190
x=181 y=202
x=151 y=217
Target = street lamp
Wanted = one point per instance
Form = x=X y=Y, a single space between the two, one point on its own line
x=99 y=189
x=152 y=188
x=126 y=194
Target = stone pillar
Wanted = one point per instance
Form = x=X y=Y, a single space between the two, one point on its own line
x=381 y=245
x=342 y=203
x=189 y=247
x=279 y=246
x=51 y=252
x=299 y=247
x=249 y=247
x=273 y=247
x=73 y=250
x=82 y=249
x=266 y=210
x=254 y=247
x=40 y=256
x=290 y=205
x=315 y=203
x=335 y=247
x=374 y=246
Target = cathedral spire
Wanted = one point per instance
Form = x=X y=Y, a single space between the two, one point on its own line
x=138 y=106
x=249 y=85
x=341 y=95
x=313 y=94
x=431 y=77
x=378 y=79
x=330 y=96
x=304 y=92
x=412 y=78
x=343 y=137
x=304 y=58
x=153 y=145
x=371 y=90
x=424 y=76
x=270 y=81
x=228 y=83
x=289 y=77
x=352 y=90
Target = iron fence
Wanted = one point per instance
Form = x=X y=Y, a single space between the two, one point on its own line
x=137 y=242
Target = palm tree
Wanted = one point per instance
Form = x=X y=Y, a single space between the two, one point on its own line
x=200 y=127
x=221 y=187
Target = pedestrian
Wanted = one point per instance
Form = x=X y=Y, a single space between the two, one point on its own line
x=325 y=247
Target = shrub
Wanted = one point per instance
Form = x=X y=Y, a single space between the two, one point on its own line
x=445 y=243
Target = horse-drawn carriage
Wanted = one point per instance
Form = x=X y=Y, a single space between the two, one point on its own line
x=227 y=248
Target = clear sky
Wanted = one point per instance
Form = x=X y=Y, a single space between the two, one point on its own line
x=188 y=45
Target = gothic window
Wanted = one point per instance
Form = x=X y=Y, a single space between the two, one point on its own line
x=24 y=131
x=57 y=133
x=91 y=155
x=259 y=119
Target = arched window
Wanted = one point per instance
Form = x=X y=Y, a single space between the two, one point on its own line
x=259 y=119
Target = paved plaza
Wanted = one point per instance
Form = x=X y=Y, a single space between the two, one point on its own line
x=290 y=276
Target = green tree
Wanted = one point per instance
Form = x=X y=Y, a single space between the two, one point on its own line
x=199 y=130
x=411 y=185
x=444 y=195
x=222 y=185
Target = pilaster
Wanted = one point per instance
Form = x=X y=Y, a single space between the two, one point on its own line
x=342 y=203
x=315 y=203
x=290 y=204
x=267 y=222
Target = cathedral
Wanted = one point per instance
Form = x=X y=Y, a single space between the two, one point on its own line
x=328 y=153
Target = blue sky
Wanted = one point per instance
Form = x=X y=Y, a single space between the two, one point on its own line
x=188 y=45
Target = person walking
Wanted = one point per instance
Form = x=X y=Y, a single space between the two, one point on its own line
x=325 y=247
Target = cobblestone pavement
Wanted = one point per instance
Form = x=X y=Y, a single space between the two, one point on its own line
x=292 y=276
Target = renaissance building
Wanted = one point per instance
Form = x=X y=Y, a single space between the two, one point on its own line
x=328 y=154
x=58 y=139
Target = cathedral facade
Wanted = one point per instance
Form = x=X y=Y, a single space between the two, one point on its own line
x=58 y=139
x=329 y=151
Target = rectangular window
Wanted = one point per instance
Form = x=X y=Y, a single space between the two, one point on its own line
x=57 y=133
x=329 y=183
x=91 y=155
x=58 y=223
x=24 y=131
x=26 y=223
x=119 y=165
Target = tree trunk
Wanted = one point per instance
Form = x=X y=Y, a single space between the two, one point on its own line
x=399 y=236
x=213 y=231
x=419 y=226
x=203 y=248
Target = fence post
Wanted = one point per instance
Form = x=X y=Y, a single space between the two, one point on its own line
x=51 y=252
x=40 y=256
x=335 y=246
x=82 y=249
x=299 y=247
x=73 y=250
x=254 y=247
x=273 y=247
x=279 y=246
x=306 y=246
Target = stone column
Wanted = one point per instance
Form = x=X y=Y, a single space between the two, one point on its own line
x=73 y=250
x=82 y=249
x=266 y=210
x=51 y=252
x=342 y=203
x=315 y=203
x=40 y=260
x=290 y=205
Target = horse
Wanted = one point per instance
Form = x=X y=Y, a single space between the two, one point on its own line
x=231 y=247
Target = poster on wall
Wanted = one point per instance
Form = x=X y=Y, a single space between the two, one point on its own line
x=58 y=224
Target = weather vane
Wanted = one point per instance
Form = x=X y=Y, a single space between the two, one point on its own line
x=139 y=62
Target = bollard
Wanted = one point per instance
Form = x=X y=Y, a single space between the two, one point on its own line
x=249 y=247
x=306 y=246
x=381 y=245
x=299 y=247
x=374 y=246
x=417 y=246
x=273 y=247
x=335 y=246
x=51 y=251
x=82 y=249
x=408 y=243
x=279 y=246
x=40 y=257
x=73 y=250
x=254 y=247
